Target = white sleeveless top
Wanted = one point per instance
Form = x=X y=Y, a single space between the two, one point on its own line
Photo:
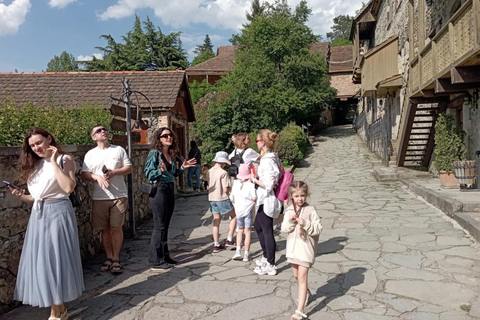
x=43 y=184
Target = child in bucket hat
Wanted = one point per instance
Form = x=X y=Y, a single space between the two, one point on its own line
x=219 y=188
x=243 y=197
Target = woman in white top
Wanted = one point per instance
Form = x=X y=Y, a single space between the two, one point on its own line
x=241 y=141
x=268 y=206
x=50 y=270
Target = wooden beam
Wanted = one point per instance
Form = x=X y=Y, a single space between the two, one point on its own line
x=407 y=129
x=456 y=103
x=434 y=99
x=445 y=86
x=465 y=74
x=118 y=125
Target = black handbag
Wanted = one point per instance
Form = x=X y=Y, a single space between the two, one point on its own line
x=149 y=188
x=74 y=197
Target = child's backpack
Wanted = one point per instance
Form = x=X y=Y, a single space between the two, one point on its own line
x=281 y=191
x=235 y=163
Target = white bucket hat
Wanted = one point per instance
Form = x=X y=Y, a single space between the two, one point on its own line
x=221 y=157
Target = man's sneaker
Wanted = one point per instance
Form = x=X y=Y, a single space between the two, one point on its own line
x=267 y=269
x=217 y=248
x=230 y=244
x=162 y=266
x=246 y=258
x=237 y=256
x=261 y=262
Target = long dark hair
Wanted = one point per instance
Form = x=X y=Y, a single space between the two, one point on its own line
x=29 y=159
x=158 y=145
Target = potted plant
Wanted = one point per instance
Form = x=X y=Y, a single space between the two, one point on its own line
x=449 y=147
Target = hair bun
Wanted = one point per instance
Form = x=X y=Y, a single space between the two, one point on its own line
x=273 y=136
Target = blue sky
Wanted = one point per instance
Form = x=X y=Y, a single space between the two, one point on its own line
x=32 y=32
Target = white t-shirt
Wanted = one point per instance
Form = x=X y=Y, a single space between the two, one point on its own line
x=114 y=157
x=249 y=155
x=243 y=198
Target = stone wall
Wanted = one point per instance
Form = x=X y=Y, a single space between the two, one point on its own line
x=471 y=121
x=14 y=214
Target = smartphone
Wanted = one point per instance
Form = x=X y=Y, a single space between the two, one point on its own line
x=104 y=169
x=11 y=185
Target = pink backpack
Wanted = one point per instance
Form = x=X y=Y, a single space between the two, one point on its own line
x=284 y=182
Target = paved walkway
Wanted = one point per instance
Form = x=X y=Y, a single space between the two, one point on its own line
x=384 y=254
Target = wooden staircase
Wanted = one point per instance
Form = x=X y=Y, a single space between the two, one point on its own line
x=417 y=140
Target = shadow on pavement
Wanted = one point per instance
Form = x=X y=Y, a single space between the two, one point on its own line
x=331 y=245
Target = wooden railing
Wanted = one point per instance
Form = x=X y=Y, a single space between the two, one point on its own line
x=455 y=42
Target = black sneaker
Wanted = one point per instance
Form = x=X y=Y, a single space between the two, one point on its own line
x=168 y=259
x=230 y=244
x=217 y=248
x=163 y=266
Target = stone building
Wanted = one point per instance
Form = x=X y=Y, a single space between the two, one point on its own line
x=413 y=60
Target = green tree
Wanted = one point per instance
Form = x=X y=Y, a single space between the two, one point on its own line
x=144 y=48
x=203 y=57
x=340 y=31
x=65 y=62
x=275 y=80
x=206 y=46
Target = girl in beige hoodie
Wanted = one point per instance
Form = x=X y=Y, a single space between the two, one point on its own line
x=303 y=226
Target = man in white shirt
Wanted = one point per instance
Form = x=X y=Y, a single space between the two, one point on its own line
x=105 y=165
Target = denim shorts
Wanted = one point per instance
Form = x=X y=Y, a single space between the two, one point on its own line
x=222 y=207
x=245 y=222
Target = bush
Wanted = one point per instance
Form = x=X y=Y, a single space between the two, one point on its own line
x=68 y=126
x=292 y=144
x=449 y=145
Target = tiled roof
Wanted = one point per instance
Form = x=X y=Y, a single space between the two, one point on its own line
x=321 y=48
x=222 y=62
x=341 y=59
x=344 y=85
x=73 y=88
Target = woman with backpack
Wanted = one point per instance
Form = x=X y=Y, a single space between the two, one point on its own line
x=268 y=206
x=242 y=153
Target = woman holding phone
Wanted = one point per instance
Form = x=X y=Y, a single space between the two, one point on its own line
x=162 y=167
x=50 y=270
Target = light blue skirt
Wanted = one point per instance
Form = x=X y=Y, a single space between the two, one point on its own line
x=50 y=270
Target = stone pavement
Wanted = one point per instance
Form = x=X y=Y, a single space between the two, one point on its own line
x=384 y=254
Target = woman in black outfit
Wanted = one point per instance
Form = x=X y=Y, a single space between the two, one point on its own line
x=162 y=167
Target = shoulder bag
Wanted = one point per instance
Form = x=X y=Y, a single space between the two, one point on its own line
x=150 y=188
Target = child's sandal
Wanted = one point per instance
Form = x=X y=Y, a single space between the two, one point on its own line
x=298 y=315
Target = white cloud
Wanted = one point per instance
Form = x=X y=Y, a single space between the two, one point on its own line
x=13 y=16
x=89 y=58
x=224 y=14
x=60 y=3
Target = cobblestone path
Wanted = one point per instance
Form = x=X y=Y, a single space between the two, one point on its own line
x=384 y=254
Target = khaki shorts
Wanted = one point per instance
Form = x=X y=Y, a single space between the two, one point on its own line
x=108 y=213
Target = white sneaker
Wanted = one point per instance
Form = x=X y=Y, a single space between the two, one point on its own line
x=246 y=258
x=261 y=262
x=267 y=269
x=237 y=256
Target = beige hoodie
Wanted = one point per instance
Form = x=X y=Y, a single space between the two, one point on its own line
x=297 y=247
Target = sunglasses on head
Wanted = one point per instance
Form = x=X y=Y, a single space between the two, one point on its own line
x=100 y=130
x=167 y=135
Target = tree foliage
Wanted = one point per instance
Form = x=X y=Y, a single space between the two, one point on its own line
x=63 y=63
x=204 y=56
x=340 y=31
x=67 y=125
x=146 y=48
x=449 y=143
x=206 y=46
x=275 y=80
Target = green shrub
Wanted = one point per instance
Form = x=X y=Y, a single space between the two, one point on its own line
x=449 y=143
x=292 y=144
x=67 y=125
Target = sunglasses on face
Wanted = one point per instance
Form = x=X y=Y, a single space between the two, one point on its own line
x=100 y=130
x=166 y=136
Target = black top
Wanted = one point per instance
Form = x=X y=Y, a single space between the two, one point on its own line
x=168 y=165
x=195 y=153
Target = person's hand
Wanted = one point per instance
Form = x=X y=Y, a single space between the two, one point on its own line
x=252 y=177
x=300 y=221
x=16 y=192
x=163 y=167
x=189 y=163
x=294 y=217
x=109 y=174
x=54 y=155
x=102 y=181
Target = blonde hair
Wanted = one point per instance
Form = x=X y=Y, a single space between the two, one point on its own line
x=240 y=140
x=296 y=186
x=269 y=138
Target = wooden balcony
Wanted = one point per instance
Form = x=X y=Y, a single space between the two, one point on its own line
x=457 y=44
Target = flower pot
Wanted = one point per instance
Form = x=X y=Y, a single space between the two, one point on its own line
x=448 y=180
x=465 y=173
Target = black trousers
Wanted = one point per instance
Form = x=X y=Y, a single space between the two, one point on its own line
x=264 y=228
x=162 y=206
